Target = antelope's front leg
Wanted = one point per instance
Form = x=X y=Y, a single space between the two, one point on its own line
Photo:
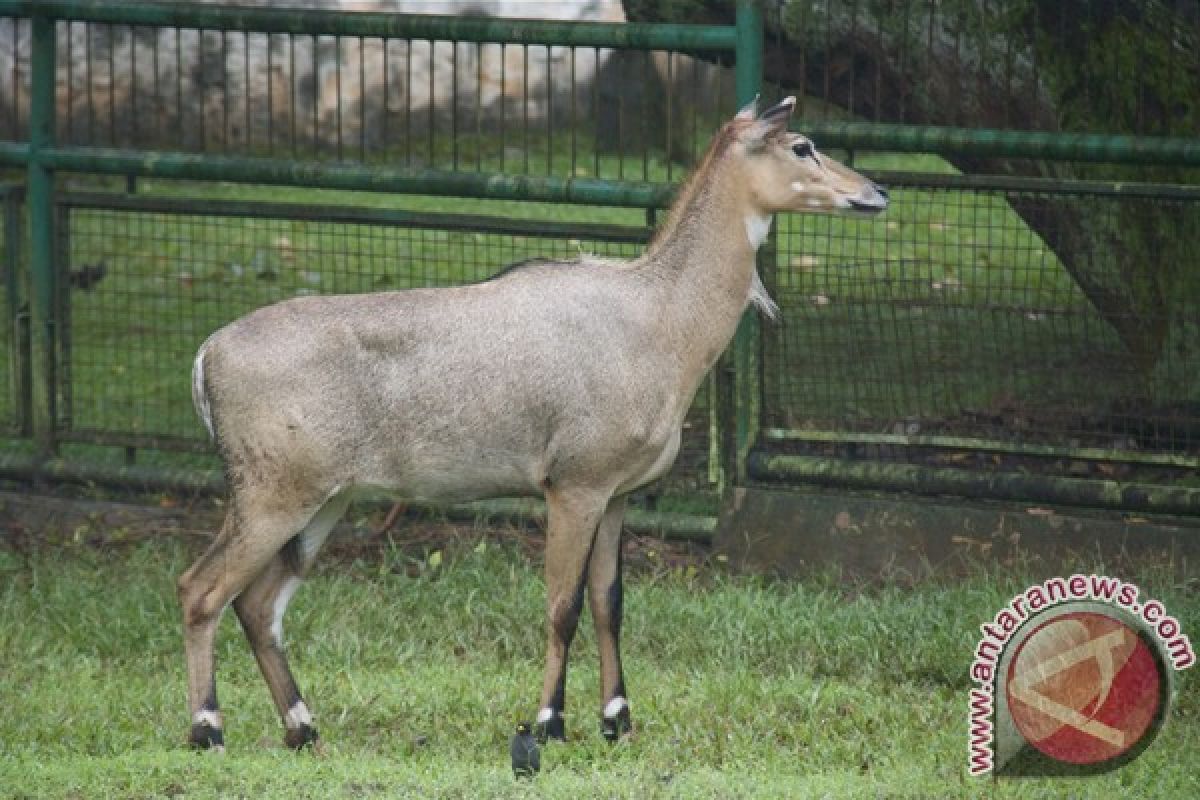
x=605 y=595
x=572 y=517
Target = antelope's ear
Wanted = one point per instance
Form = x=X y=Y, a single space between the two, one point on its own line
x=773 y=121
x=749 y=111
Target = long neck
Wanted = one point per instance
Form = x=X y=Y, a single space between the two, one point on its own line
x=704 y=257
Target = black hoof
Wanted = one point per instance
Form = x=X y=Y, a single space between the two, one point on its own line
x=553 y=728
x=205 y=737
x=302 y=737
x=614 y=728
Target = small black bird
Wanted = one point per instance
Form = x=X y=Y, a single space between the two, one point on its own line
x=87 y=276
x=526 y=760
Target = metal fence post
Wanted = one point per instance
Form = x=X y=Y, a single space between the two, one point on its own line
x=747 y=383
x=41 y=228
x=18 y=313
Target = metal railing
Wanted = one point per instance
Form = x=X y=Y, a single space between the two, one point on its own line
x=81 y=378
x=913 y=345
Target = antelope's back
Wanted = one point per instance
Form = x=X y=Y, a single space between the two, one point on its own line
x=466 y=391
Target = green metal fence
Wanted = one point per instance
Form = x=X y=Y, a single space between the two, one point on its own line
x=960 y=344
x=14 y=318
x=125 y=286
x=953 y=338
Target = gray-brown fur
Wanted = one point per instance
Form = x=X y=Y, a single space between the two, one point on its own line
x=569 y=383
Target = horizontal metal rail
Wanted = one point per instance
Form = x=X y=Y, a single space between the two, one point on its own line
x=1030 y=183
x=982 y=445
x=354 y=215
x=312 y=175
x=669 y=525
x=498 y=186
x=312 y=22
x=982 y=142
x=1007 y=486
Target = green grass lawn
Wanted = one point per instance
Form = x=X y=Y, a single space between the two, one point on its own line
x=741 y=687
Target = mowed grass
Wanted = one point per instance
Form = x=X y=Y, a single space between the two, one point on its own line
x=417 y=672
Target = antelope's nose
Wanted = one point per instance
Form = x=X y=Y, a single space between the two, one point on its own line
x=872 y=199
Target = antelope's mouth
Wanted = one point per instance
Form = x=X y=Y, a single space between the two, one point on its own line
x=872 y=200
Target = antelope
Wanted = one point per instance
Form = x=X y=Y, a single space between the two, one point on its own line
x=565 y=380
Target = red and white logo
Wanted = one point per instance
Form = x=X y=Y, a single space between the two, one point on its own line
x=1084 y=688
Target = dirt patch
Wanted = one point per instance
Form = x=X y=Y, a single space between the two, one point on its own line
x=31 y=522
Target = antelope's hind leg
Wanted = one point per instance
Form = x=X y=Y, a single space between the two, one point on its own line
x=249 y=541
x=261 y=607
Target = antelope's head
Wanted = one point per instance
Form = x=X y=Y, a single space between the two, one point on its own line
x=786 y=173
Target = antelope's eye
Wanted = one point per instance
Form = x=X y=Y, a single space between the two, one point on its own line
x=802 y=149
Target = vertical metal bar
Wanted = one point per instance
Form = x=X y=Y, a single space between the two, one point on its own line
x=549 y=111
x=337 y=92
x=503 y=101
x=574 y=114
x=64 y=399
x=70 y=83
x=362 y=99
x=225 y=91
x=316 y=73
x=201 y=93
x=431 y=103
x=623 y=66
x=178 y=85
x=41 y=227
x=747 y=343
x=16 y=79
x=386 y=44
x=525 y=106
x=479 y=106
x=112 y=85
x=595 y=111
x=647 y=82
x=408 y=97
x=454 y=104
x=853 y=71
x=293 y=93
x=270 y=95
x=88 y=83
x=693 y=139
x=246 y=139
x=668 y=155
x=19 y=349
x=1009 y=46
x=133 y=87
x=159 y=107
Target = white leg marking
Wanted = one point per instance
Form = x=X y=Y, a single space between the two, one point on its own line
x=545 y=715
x=281 y=603
x=615 y=706
x=757 y=228
x=209 y=718
x=298 y=716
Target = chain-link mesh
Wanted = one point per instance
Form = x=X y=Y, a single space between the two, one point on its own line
x=148 y=284
x=951 y=317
